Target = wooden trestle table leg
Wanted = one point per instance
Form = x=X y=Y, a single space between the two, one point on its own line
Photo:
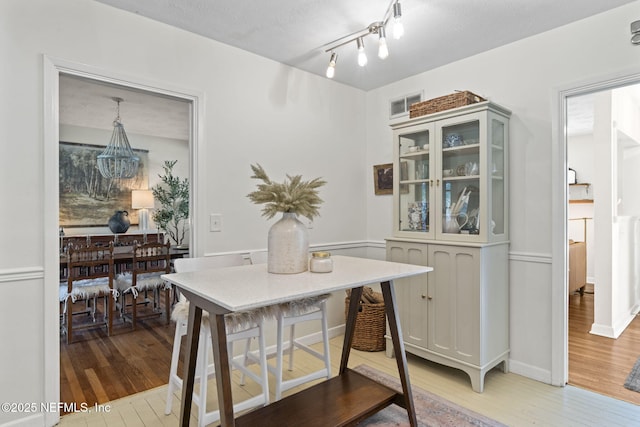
x=388 y=294
x=191 y=353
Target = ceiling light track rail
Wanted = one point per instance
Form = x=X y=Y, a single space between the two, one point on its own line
x=393 y=11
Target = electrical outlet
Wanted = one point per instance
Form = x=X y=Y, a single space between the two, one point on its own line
x=215 y=222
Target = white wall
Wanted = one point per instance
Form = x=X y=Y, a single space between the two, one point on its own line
x=255 y=110
x=289 y=121
x=523 y=76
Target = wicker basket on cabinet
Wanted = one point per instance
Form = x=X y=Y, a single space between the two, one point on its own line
x=442 y=103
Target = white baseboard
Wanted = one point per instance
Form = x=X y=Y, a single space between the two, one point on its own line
x=530 y=371
x=29 y=421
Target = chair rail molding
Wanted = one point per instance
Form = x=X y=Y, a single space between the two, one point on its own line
x=21 y=274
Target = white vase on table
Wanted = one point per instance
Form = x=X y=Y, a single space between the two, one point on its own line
x=288 y=246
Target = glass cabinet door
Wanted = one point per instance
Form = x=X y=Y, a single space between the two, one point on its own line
x=460 y=169
x=498 y=131
x=451 y=176
x=414 y=183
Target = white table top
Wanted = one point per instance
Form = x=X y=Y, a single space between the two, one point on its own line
x=251 y=286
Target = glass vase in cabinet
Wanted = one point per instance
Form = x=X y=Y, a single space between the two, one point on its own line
x=452 y=181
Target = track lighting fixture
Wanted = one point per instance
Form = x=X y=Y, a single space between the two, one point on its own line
x=378 y=28
x=398 y=28
x=331 y=69
x=383 y=50
x=362 y=56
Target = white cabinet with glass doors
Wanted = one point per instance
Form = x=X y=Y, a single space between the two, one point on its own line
x=450 y=211
x=450 y=179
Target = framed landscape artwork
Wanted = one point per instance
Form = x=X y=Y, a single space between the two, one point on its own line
x=87 y=199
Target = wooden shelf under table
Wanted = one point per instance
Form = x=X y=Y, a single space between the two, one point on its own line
x=340 y=401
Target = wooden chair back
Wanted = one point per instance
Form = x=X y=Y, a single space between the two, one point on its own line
x=86 y=265
x=151 y=257
x=150 y=260
x=89 y=262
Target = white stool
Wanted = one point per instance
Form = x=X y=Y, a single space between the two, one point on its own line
x=240 y=326
x=288 y=315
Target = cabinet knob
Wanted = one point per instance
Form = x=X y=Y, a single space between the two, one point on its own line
x=426 y=297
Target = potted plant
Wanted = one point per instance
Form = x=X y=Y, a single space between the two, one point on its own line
x=288 y=244
x=173 y=195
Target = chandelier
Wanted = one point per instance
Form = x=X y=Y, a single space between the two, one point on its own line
x=117 y=161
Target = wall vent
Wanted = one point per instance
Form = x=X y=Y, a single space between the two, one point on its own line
x=399 y=107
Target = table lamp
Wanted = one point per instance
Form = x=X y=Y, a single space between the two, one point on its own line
x=143 y=201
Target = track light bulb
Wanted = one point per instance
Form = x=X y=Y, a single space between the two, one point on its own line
x=398 y=28
x=362 y=57
x=331 y=69
x=383 y=50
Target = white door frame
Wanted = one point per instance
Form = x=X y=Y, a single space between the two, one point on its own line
x=559 y=215
x=52 y=68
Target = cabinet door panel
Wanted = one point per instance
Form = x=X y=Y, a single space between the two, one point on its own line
x=411 y=293
x=454 y=311
x=467 y=307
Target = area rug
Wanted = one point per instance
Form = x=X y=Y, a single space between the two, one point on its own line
x=431 y=410
x=633 y=380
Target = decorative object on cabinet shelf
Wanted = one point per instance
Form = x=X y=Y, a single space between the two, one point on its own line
x=287 y=242
x=418 y=213
x=383 y=179
x=454 y=221
x=447 y=102
x=173 y=196
x=453 y=140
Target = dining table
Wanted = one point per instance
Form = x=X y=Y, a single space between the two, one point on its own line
x=344 y=399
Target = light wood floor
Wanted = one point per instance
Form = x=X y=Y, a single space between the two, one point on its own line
x=509 y=398
x=598 y=363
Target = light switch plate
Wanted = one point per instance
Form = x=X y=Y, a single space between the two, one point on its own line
x=215 y=222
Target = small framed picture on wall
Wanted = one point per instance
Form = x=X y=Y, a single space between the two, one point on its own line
x=383 y=178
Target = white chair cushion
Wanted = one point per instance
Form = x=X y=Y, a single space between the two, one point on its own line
x=86 y=288
x=144 y=282
x=234 y=322
x=297 y=307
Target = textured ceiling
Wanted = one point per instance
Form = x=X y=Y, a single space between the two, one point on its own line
x=437 y=32
x=293 y=32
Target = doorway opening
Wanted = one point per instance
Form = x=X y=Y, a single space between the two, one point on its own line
x=99 y=83
x=600 y=222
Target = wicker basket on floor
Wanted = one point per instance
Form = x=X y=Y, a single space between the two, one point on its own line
x=370 y=326
x=442 y=103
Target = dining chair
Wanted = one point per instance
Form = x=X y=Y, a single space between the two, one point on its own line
x=149 y=262
x=89 y=277
x=243 y=326
x=289 y=315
